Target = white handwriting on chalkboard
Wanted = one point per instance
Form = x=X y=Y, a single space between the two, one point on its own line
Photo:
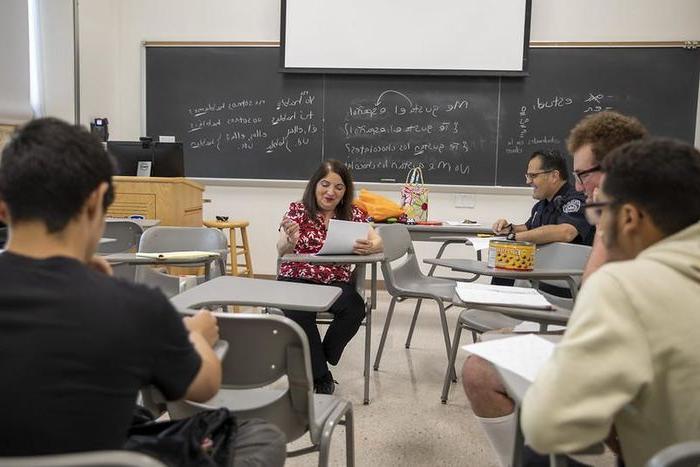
x=304 y=98
x=359 y=110
x=391 y=91
x=596 y=102
x=386 y=163
x=207 y=142
x=555 y=102
x=291 y=116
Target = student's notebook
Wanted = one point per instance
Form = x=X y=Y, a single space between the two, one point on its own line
x=500 y=295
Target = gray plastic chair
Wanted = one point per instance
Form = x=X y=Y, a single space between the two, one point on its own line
x=325 y=318
x=685 y=454
x=166 y=239
x=126 y=235
x=84 y=459
x=404 y=280
x=553 y=255
x=479 y=320
x=262 y=349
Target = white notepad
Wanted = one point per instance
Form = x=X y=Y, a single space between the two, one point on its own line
x=482 y=243
x=522 y=355
x=184 y=255
x=500 y=295
x=341 y=237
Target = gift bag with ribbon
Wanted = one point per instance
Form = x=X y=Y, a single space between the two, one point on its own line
x=414 y=196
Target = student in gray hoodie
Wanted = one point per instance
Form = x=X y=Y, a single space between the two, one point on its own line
x=630 y=357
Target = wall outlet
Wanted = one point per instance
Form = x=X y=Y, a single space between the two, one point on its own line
x=465 y=201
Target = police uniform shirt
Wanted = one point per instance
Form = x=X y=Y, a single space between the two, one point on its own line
x=566 y=207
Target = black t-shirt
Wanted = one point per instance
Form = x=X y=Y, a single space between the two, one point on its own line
x=75 y=347
x=566 y=207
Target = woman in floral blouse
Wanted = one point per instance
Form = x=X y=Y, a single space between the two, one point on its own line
x=328 y=195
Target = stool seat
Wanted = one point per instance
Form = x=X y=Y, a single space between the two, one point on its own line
x=226 y=224
x=236 y=250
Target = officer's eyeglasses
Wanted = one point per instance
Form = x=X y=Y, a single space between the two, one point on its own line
x=581 y=174
x=594 y=211
x=530 y=176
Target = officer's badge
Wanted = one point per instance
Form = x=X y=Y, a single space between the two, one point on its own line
x=572 y=206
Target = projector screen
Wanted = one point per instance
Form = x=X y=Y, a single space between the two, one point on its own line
x=405 y=36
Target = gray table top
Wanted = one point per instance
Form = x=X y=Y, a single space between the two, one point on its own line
x=134 y=258
x=229 y=290
x=480 y=267
x=467 y=229
x=337 y=259
x=144 y=223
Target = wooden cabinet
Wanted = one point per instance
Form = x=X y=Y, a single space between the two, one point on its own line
x=175 y=201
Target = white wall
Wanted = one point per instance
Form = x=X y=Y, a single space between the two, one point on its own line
x=111 y=79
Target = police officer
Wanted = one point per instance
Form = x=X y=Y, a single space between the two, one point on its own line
x=558 y=216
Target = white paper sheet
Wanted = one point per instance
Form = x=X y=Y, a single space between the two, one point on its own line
x=184 y=255
x=531 y=326
x=341 y=237
x=482 y=243
x=522 y=355
x=486 y=294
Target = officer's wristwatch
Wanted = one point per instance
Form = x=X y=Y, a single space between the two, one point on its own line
x=511 y=236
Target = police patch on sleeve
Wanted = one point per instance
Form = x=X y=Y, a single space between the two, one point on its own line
x=572 y=206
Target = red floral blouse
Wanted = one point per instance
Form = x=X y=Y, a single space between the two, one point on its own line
x=312 y=234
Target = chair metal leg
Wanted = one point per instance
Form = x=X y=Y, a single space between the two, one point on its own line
x=368 y=347
x=325 y=442
x=446 y=335
x=451 y=362
x=384 y=333
x=413 y=323
x=349 y=437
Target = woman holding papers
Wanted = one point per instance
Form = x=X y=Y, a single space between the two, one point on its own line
x=328 y=195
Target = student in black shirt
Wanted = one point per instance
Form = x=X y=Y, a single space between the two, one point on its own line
x=76 y=345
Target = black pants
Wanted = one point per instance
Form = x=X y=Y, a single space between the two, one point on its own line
x=348 y=312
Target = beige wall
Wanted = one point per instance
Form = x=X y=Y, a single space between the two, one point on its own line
x=112 y=78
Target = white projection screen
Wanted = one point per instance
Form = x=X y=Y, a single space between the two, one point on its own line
x=461 y=37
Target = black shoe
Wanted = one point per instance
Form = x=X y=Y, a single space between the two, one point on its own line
x=325 y=384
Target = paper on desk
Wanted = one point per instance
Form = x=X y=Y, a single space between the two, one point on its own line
x=185 y=255
x=501 y=295
x=531 y=326
x=341 y=237
x=522 y=355
x=482 y=243
x=476 y=224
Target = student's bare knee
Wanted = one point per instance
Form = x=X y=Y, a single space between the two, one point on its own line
x=478 y=375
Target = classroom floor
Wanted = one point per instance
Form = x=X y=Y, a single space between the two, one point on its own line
x=405 y=423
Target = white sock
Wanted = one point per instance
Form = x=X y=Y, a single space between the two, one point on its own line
x=501 y=434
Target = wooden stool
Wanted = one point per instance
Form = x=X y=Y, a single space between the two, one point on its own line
x=235 y=249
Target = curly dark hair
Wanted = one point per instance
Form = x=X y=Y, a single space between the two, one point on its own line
x=604 y=131
x=660 y=176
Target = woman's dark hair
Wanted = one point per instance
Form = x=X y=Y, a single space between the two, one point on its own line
x=48 y=170
x=344 y=209
x=660 y=176
x=552 y=160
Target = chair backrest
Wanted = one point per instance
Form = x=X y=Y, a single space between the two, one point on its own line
x=126 y=235
x=86 y=459
x=400 y=264
x=262 y=349
x=562 y=256
x=164 y=239
x=685 y=454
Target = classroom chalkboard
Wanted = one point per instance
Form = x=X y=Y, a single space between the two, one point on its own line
x=239 y=117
